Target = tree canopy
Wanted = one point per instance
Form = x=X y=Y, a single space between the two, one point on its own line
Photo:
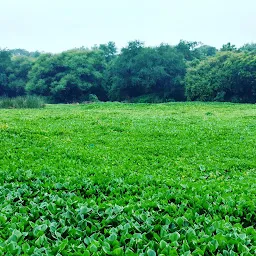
x=186 y=71
x=69 y=76
x=228 y=76
x=143 y=70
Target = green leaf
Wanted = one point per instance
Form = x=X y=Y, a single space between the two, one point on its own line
x=52 y=208
x=185 y=247
x=163 y=244
x=118 y=251
x=41 y=240
x=173 y=252
x=213 y=245
x=25 y=247
x=157 y=237
x=63 y=244
x=151 y=252
x=87 y=240
x=174 y=236
x=112 y=237
x=137 y=235
x=3 y=219
x=190 y=235
x=84 y=210
x=180 y=221
x=106 y=249
x=93 y=248
x=86 y=253
x=14 y=248
x=242 y=248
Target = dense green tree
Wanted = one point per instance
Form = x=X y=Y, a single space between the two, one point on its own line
x=228 y=76
x=18 y=75
x=22 y=52
x=249 y=47
x=136 y=73
x=140 y=70
x=13 y=73
x=68 y=77
x=206 y=51
x=5 y=63
x=188 y=49
x=228 y=47
x=109 y=50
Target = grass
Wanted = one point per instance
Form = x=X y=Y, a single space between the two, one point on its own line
x=128 y=179
x=22 y=102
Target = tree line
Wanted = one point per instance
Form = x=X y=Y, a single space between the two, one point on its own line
x=137 y=73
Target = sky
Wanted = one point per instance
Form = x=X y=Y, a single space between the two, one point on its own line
x=58 y=25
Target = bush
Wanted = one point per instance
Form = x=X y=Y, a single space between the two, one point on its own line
x=22 y=102
x=93 y=98
x=148 y=98
x=228 y=76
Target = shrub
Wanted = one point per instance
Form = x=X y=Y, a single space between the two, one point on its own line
x=93 y=98
x=228 y=76
x=22 y=102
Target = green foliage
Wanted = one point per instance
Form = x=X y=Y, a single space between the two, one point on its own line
x=228 y=47
x=136 y=74
x=248 y=47
x=143 y=70
x=128 y=179
x=228 y=76
x=5 y=62
x=69 y=76
x=18 y=76
x=22 y=102
x=93 y=98
x=109 y=50
x=206 y=51
x=150 y=98
x=188 y=50
x=24 y=53
x=13 y=73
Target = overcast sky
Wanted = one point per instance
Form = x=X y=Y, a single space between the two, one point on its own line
x=57 y=25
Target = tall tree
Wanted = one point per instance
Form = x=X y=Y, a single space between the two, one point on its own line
x=188 y=49
x=109 y=50
x=18 y=75
x=228 y=76
x=5 y=63
x=143 y=70
x=68 y=77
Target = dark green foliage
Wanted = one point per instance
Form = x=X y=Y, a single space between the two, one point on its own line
x=93 y=98
x=148 y=98
x=18 y=76
x=13 y=73
x=5 y=63
x=228 y=47
x=128 y=179
x=69 y=76
x=22 y=102
x=248 y=47
x=109 y=50
x=136 y=74
x=229 y=76
x=206 y=51
x=188 y=50
x=22 y=52
x=143 y=70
